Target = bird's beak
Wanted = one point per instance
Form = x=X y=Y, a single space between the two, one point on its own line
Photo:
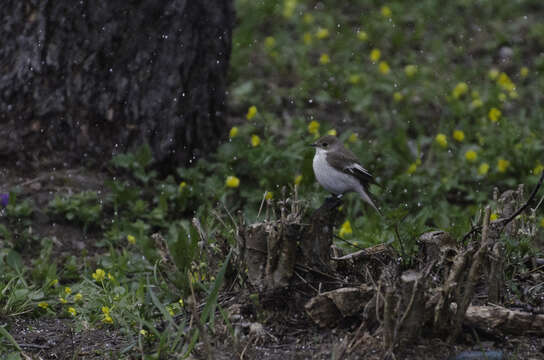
x=313 y=145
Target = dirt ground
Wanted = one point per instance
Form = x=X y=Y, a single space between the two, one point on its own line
x=48 y=338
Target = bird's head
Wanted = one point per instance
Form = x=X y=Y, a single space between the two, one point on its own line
x=327 y=142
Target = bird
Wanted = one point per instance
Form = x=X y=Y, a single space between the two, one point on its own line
x=338 y=170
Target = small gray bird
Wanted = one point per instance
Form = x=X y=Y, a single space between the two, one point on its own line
x=338 y=170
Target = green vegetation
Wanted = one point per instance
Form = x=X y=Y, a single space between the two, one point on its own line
x=440 y=101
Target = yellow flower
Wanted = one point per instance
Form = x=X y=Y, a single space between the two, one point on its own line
x=345 y=229
x=459 y=135
x=542 y=223
x=63 y=300
x=143 y=332
x=255 y=140
x=412 y=168
x=181 y=302
x=460 y=90
x=493 y=217
x=307 y=38
x=269 y=42
x=110 y=277
x=170 y=310
x=107 y=319
x=233 y=132
x=78 y=297
x=232 y=181
x=483 y=168
x=384 y=67
x=268 y=195
x=524 y=72
x=538 y=169
x=441 y=140
x=332 y=132
x=322 y=33
x=67 y=290
x=386 y=11
x=397 y=96
x=289 y=8
x=313 y=127
x=251 y=112
x=131 y=239
x=476 y=103
x=362 y=35
x=471 y=156
x=353 y=137
x=494 y=114
x=502 y=165
x=43 y=305
x=410 y=70
x=354 y=78
x=504 y=82
x=298 y=179
x=493 y=73
x=99 y=275
x=72 y=311
x=324 y=59
x=375 y=55
x=105 y=310
x=308 y=18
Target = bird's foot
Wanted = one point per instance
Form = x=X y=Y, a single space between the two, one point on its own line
x=332 y=201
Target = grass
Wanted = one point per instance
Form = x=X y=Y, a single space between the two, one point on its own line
x=441 y=101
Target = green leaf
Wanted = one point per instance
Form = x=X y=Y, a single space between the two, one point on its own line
x=144 y=156
x=14 y=260
x=211 y=300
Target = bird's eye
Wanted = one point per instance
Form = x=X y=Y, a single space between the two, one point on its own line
x=325 y=144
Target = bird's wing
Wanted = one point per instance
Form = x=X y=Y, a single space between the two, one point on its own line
x=353 y=167
x=360 y=173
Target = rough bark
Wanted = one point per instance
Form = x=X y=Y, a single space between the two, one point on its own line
x=83 y=79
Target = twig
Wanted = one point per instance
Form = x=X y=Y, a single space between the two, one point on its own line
x=348 y=242
x=401 y=244
x=539 y=203
x=524 y=206
x=262 y=204
x=472 y=277
x=388 y=323
x=201 y=231
x=306 y=282
x=408 y=309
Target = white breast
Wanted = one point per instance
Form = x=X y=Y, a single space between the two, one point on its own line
x=331 y=179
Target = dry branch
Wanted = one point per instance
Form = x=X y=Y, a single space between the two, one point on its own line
x=504 y=321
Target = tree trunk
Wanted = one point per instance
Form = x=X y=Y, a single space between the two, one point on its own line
x=81 y=80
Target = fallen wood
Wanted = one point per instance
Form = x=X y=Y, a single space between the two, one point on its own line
x=329 y=308
x=504 y=321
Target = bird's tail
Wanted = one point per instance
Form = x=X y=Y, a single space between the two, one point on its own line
x=366 y=197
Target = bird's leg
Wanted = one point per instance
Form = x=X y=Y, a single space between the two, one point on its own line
x=332 y=202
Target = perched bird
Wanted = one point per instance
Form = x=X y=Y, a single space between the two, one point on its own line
x=338 y=170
